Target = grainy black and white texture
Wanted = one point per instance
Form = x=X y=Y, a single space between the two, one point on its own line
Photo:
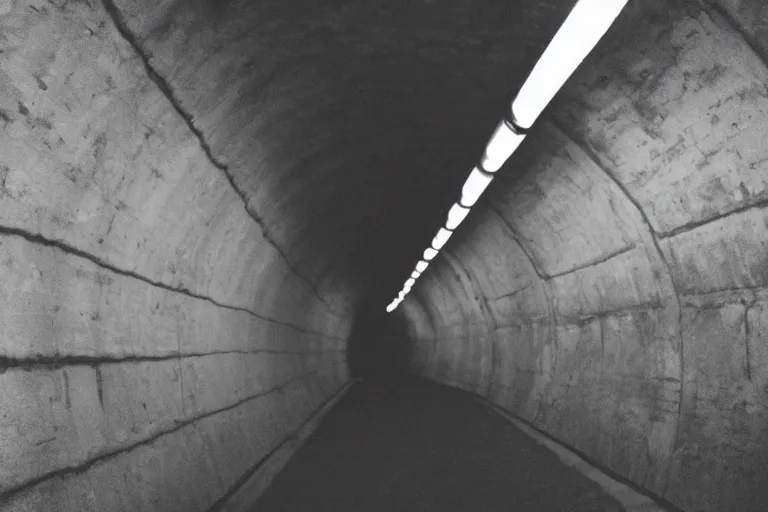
x=198 y=197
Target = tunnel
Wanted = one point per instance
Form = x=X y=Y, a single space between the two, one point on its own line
x=206 y=206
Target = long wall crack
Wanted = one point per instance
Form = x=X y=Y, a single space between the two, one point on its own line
x=122 y=27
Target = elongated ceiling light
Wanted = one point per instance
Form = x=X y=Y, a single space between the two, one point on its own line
x=475 y=185
x=441 y=238
x=585 y=25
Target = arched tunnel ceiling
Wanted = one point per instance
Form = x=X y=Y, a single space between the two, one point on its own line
x=348 y=126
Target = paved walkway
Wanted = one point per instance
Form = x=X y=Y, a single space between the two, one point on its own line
x=416 y=446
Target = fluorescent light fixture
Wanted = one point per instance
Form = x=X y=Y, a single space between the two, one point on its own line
x=429 y=254
x=585 y=25
x=441 y=238
x=410 y=282
x=421 y=266
x=391 y=307
x=456 y=216
x=503 y=143
x=415 y=274
x=474 y=187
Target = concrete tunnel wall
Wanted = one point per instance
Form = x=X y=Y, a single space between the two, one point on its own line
x=167 y=323
x=612 y=289
x=156 y=345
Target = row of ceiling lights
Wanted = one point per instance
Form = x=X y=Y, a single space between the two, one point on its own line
x=586 y=24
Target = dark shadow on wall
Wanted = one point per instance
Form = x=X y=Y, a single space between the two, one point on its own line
x=378 y=349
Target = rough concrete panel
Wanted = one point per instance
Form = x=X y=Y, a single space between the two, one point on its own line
x=56 y=304
x=523 y=368
x=183 y=470
x=675 y=105
x=565 y=209
x=722 y=455
x=726 y=254
x=488 y=234
x=751 y=17
x=625 y=281
x=49 y=420
x=110 y=168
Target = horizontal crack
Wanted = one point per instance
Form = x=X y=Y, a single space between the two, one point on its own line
x=512 y=294
x=593 y=262
x=122 y=27
x=69 y=249
x=82 y=468
x=55 y=362
x=690 y=226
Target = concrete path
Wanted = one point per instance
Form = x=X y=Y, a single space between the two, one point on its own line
x=417 y=446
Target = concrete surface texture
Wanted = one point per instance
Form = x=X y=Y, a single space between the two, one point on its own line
x=613 y=289
x=198 y=197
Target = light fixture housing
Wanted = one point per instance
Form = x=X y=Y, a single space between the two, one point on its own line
x=441 y=238
x=586 y=24
x=476 y=183
x=456 y=216
x=504 y=141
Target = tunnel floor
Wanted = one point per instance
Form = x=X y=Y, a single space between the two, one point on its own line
x=410 y=445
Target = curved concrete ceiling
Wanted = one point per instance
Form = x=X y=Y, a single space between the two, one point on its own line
x=351 y=125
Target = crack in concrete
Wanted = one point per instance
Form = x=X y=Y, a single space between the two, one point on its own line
x=569 y=135
x=553 y=316
x=690 y=226
x=68 y=471
x=69 y=249
x=122 y=27
x=516 y=237
x=593 y=262
x=512 y=294
x=56 y=362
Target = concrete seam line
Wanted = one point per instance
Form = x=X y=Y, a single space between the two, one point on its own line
x=74 y=251
x=122 y=28
x=85 y=466
x=300 y=436
x=632 y=497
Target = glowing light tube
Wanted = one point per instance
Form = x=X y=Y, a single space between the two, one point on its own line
x=503 y=143
x=415 y=274
x=421 y=266
x=456 y=216
x=391 y=307
x=410 y=282
x=429 y=254
x=474 y=187
x=441 y=238
x=586 y=24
